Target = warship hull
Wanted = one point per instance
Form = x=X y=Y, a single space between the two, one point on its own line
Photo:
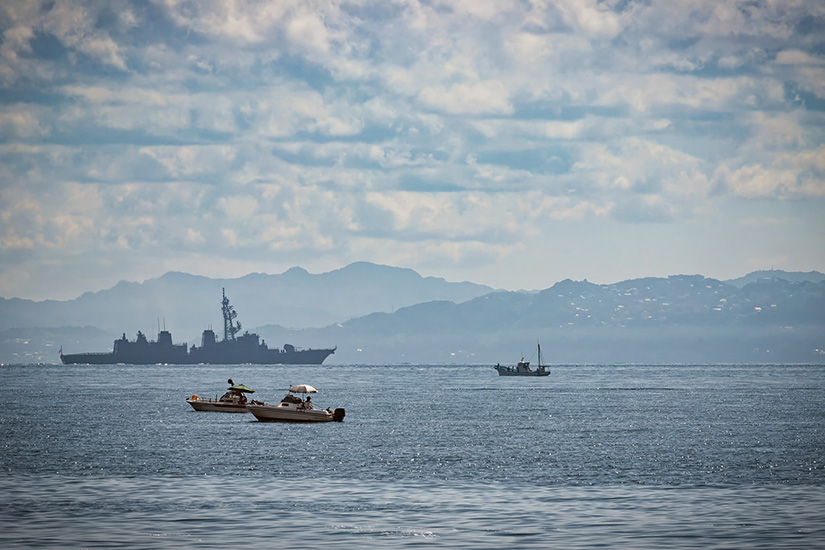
x=270 y=357
x=88 y=359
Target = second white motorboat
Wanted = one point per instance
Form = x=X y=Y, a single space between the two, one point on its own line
x=294 y=409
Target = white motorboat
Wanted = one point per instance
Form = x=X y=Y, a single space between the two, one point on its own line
x=294 y=409
x=233 y=401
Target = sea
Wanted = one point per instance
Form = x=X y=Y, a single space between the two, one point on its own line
x=428 y=456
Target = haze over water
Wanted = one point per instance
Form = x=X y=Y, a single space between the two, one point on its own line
x=715 y=456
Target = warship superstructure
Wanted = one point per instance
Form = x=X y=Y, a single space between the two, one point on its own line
x=235 y=348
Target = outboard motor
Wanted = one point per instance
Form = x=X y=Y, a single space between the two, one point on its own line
x=338 y=415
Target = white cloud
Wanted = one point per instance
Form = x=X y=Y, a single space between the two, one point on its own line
x=783 y=130
x=755 y=181
x=189 y=161
x=239 y=207
x=241 y=21
x=640 y=180
x=16 y=39
x=593 y=18
x=798 y=57
x=307 y=30
x=22 y=121
x=73 y=24
x=468 y=98
x=657 y=91
x=98 y=95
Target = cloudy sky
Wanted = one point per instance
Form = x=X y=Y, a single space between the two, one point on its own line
x=510 y=143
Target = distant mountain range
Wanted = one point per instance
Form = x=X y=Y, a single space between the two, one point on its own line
x=679 y=319
x=385 y=315
x=189 y=303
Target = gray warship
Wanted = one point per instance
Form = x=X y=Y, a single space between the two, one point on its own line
x=234 y=349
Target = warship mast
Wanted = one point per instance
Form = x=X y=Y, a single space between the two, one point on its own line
x=230 y=326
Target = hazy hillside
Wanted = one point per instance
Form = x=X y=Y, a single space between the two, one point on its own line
x=671 y=320
x=186 y=304
x=792 y=276
x=41 y=345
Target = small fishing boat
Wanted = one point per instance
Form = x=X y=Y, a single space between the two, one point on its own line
x=523 y=368
x=233 y=401
x=294 y=409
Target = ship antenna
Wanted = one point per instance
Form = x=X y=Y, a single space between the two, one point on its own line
x=230 y=326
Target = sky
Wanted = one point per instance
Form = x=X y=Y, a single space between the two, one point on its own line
x=507 y=143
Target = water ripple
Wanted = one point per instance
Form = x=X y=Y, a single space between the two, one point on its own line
x=626 y=457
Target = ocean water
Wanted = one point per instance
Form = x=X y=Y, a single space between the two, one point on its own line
x=615 y=456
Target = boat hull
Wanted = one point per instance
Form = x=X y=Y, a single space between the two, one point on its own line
x=278 y=413
x=212 y=405
x=508 y=371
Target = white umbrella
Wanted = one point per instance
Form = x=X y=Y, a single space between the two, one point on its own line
x=303 y=388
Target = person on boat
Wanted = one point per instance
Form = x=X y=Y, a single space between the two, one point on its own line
x=308 y=403
x=231 y=383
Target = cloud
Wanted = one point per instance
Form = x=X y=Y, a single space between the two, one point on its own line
x=22 y=121
x=309 y=31
x=643 y=209
x=594 y=19
x=787 y=176
x=468 y=98
x=779 y=131
x=73 y=24
x=798 y=57
x=415 y=132
x=16 y=39
x=191 y=161
x=242 y=21
x=755 y=181
x=654 y=92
